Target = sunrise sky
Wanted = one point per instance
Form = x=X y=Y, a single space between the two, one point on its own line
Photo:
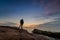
x=34 y=12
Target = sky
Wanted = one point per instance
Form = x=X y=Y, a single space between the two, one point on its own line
x=34 y=12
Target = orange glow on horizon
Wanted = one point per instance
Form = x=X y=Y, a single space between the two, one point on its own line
x=31 y=25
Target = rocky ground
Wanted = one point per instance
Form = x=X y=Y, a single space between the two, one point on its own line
x=12 y=34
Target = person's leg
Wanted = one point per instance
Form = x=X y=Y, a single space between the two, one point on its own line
x=21 y=26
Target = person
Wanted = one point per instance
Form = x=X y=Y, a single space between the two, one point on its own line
x=21 y=24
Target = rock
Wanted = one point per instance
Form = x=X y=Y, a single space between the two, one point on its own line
x=13 y=34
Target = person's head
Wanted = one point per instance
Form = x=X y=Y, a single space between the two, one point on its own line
x=21 y=19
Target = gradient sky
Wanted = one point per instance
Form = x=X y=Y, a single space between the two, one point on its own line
x=33 y=12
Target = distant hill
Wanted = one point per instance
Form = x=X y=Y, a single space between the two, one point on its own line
x=47 y=33
x=13 y=33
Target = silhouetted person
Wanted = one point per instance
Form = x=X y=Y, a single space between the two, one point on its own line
x=21 y=23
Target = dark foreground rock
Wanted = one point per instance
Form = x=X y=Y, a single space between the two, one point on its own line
x=13 y=34
x=47 y=33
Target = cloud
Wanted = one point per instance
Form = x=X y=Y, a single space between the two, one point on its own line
x=53 y=26
x=8 y=24
x=50 y=26
x=51 y=10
